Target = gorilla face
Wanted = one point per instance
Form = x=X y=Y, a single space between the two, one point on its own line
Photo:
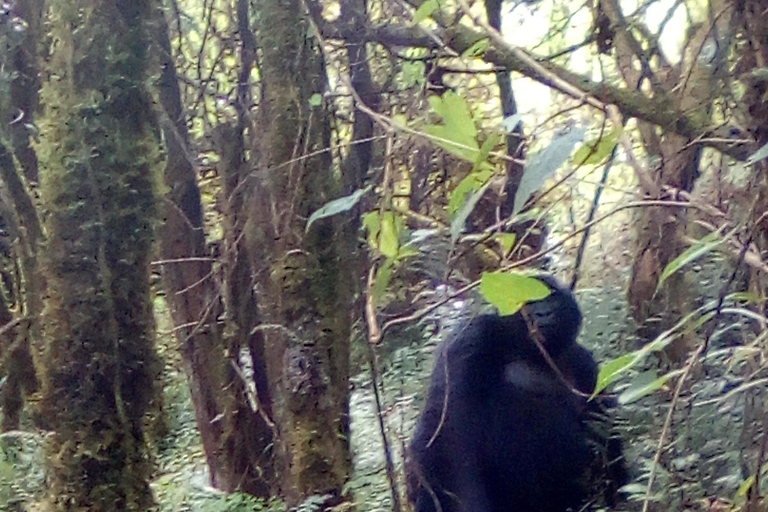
x=556 y=317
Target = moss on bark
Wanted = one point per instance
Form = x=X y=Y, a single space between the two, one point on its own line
x=99 y=156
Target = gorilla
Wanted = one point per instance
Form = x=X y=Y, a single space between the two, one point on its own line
x=504 y=431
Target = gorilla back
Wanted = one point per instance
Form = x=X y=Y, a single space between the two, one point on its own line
x=501 y=431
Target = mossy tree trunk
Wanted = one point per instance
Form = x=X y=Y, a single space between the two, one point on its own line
x=18 y=167
x=304 y=279
x=99 y=155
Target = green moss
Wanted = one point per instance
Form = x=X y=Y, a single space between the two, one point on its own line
x=99 y=156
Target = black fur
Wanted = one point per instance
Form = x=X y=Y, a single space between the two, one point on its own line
x=501 y=430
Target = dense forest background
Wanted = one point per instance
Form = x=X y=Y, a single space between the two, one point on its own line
x=232 y=231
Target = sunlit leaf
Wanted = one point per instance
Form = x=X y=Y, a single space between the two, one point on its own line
x=485 y=150
x=383 y=276
x=389 y=242
x=339 y=205
x=413 y=73
x=477 y=49
x=316 y=100
x=458 y=133
x=595 y=151
x=745 y=486
x=372 y=223
x=425 y=10
x=509 y=292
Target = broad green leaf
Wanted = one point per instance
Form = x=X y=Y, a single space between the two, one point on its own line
x=456 y=114
x=595 y=151
x=472 y=182
x=339 y=205
x=694 y=252
x=477 y=49
x=425 y=10
x=316 y=100
x=389 y=242
x=451 y=141
x=457 y=225
x=457 y=134
x=510 y=292
x=543 y=165
x=642 y=387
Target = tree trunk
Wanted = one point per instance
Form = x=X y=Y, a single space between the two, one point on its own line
x=21 y=105
x=236 y=437
x=99 y=152
x=304 y=278
x=661 y=229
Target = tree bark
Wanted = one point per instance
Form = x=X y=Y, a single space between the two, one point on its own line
x=305 y=278
x=100 y=151
x=236 y=436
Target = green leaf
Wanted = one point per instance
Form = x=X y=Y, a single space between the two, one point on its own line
x=642 y=386
x=458 y=133
x=506 y=241
x=413 y=73
x=316 y=100
x=372 y=222
x=425 y=10
x=472 y=182
x=337 y=206
x=543 y=165
x=612 y=370
x=509 y=292
x=477 y=49
x=694 y=252
x=383 y=276
x=457 y=225
x=745 y=486
x=485 y=150
x=400 y=120
x=448 y=139
x=389 y=243
x=595 y=151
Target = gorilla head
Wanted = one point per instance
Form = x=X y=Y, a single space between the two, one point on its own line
x=557 y=317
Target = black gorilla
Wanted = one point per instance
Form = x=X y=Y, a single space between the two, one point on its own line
x=502 y=431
